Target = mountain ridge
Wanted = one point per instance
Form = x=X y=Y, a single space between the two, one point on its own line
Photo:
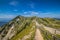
x=22 y=26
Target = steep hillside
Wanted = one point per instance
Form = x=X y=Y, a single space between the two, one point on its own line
x=50 y=22
x=26 y=28
x=13 y=27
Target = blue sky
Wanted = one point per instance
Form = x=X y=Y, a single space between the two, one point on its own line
x=42 y=8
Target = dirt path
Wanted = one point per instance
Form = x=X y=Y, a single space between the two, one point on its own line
x=52 y=30
x=38 y=35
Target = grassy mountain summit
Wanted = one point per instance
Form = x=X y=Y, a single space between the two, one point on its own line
x=24 y=28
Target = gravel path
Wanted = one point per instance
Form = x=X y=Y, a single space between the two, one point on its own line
x=38 y=35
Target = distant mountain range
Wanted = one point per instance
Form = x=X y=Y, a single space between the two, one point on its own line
x=2 y=23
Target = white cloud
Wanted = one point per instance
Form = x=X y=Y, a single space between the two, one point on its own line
x=34 y=13
x=25 y=12
x=31 y=13
x=14 y=3
x=27 y=15
x=42 y=14
x=7 y=16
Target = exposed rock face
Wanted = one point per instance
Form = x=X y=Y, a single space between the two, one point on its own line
x=17 y=19
x=10 y=33
x=10 y=29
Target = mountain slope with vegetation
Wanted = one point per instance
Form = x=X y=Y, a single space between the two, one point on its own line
x=24 y=28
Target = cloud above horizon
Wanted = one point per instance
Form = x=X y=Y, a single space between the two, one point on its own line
x=31 y=13
x=42 y=14
x=5 y=16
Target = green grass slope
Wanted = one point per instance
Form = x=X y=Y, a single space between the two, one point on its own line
x=28 y=33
